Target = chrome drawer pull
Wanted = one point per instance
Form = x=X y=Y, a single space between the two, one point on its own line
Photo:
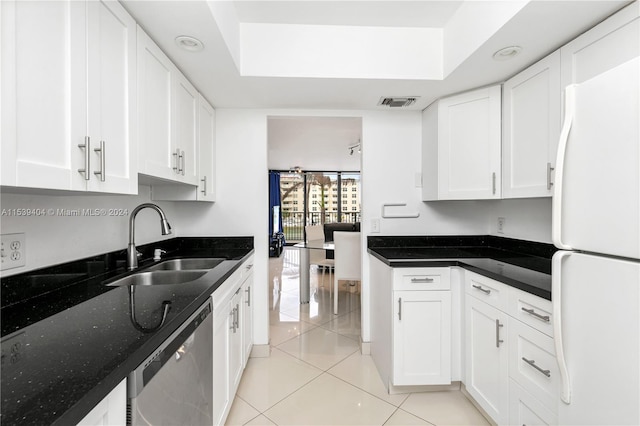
x=479 y=287
x=498 y=340
x=533 y=364
x=537 y=315
x=399 y=308
x=421 y=280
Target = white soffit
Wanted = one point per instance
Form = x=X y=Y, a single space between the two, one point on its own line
x=357 y=39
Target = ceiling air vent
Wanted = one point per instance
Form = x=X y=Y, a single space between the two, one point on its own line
x=397 y=102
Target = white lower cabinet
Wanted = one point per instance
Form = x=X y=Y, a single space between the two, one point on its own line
x=232 y=335
x=511 y=369
x=112 y=410
x=422 y=338
x=411 y=332
x=486 y=358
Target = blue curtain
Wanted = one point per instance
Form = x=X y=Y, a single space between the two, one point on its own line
x=274 y=201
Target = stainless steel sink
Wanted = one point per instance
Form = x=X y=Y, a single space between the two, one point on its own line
x=159 y=278
x=186 y=264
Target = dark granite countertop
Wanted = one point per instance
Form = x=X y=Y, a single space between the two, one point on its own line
x=68 y=340
x=522 y=264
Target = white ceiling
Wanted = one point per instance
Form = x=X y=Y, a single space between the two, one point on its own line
x=539 y=26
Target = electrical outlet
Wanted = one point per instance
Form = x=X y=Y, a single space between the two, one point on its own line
x=13 y=251
x=501 y=221
x=375 y=225
x=14 y=349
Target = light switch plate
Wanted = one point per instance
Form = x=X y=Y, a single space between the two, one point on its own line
x=13 y=251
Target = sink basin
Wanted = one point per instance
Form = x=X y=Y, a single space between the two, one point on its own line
x=186 y=264
x=159 y=278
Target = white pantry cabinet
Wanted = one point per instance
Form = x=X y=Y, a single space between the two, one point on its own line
x=69 y=96
x=531 y=129
x=461 y=157
x=167 y=116
x=112 y=410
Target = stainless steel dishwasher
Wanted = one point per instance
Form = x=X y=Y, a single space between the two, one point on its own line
x=174 y=386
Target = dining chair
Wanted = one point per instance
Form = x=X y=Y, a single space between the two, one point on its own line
x=348 y=263
x=318 y=257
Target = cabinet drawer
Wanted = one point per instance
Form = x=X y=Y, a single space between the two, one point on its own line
x=531 y=310
x=489 y=291
x=421 y=279
x=524 y=409
x=532 y=363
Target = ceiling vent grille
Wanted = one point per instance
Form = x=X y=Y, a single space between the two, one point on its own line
x=398 y=102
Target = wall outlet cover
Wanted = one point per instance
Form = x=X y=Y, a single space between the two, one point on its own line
x=501 y=222
x=13 y=251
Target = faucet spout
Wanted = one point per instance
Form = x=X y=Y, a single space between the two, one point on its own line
x=165 y=229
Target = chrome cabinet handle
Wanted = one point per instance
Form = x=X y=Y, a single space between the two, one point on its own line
x=549 y=170
x=248 y=291
x=498 y=340
x=249 y=267
x=237 y=315
x=204 y=185
x=537 y=315
x=533 y=364
x=421 y=280
x=479 y=287
x=182 y=160
x=493 y=182
x=87 y=157
x=399 y=308
x=101 y=172
x=176 y=161
x=232 y=314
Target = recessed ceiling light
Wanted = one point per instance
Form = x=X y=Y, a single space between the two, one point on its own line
x=191 y=44
x=507 y=53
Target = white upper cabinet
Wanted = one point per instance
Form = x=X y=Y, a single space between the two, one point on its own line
x=531 y=128
x=68 y=96
x=186 y=129
x=155 y=97
x=167 y=116
x=605 y=46
x=206 y=151
x=466 y=145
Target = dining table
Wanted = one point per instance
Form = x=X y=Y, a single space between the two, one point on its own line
x=305 y=280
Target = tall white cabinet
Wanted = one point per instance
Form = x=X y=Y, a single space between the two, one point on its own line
x=69 y=96
x=531 y=128
x=461 y=158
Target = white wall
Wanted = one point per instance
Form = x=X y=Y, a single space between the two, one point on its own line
x=525 y=219
x=54 y=238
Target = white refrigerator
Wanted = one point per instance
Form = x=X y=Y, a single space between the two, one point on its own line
x=596 y=272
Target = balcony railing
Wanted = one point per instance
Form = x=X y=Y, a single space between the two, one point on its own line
x=294 y=222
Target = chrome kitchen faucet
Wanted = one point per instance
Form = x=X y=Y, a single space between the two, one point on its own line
x=132 y=253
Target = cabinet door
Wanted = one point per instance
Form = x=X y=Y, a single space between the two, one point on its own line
x=469 y=135
x=607 y=45
x=112 y=410
x=111 y=65
x=524 y=409
x=247 y=315
x=186 y=130
x=43 y=93
x=155 y=95
x=486 y=358
x=206 y=151
x=531 y=128
x=235 y=342
x=222 y=321
x=422 y=338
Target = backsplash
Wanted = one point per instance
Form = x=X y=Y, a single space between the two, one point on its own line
x=62 y=228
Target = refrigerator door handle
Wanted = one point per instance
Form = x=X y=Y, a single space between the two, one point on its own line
x=556 y=223
x=556 y=300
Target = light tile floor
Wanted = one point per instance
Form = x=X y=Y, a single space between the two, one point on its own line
x=316 y=374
